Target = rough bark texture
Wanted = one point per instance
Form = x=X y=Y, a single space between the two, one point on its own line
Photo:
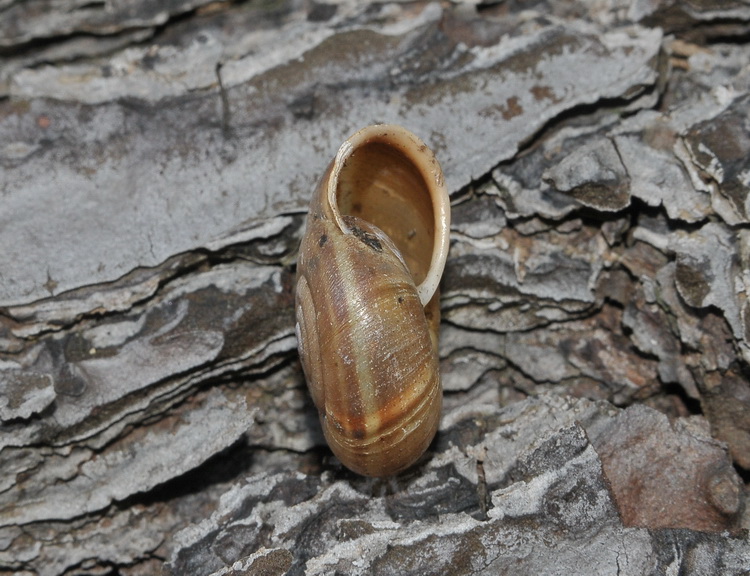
x=157 y=160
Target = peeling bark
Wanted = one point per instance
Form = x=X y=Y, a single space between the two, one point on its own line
x=156 y=165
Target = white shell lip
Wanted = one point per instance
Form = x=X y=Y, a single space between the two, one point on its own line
x=424 y=159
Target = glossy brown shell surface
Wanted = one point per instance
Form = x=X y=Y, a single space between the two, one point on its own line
x=376 y=231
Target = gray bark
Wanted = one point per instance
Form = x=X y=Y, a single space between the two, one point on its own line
x=595 y=345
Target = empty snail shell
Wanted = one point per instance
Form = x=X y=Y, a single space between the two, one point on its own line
x=367 y=301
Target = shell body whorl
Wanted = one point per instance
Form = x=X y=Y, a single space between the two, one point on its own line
x=367 y=300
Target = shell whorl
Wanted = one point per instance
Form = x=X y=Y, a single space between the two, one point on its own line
x=367 y=303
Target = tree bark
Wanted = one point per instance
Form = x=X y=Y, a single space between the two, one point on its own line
x=156 y=168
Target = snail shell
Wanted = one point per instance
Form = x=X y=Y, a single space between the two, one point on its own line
x=367 y=301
